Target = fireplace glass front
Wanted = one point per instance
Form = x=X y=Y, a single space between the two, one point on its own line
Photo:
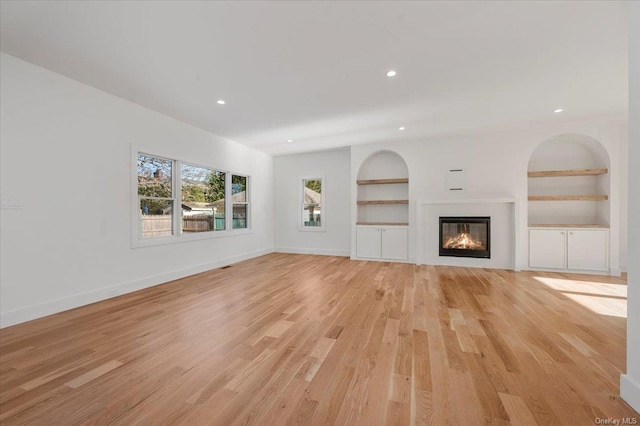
x=465 y=237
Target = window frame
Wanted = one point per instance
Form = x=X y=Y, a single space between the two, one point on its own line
x=226 y=187
x=301 y=204
x=138 y=198
x=176 y=183
x=246 y=197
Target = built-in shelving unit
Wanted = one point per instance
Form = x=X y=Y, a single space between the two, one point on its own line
x=365 y=202
x=383 y=191
x=568 y=205
x=568 y=197
x=382 y=181
x=383 y=223
x=568 y=183
x=559 y=173
x=566 y=225
x=382 y=208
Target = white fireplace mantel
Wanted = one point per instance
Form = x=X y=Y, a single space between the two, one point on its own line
x=493 y=200
x=468 y=206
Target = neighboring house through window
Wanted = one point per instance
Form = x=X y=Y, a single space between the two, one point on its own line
x=240 y=199
x=313 y=218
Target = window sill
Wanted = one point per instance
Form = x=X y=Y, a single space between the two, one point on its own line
x=183 y=238
x=312 y=229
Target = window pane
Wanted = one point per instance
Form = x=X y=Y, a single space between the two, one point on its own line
x=314 y=185
x=156 y=218
x=202 y=199
x=154 y=176
x=239 y=216
x=311 y=215
x=239 y=188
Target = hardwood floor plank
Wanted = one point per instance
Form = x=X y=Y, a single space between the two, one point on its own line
x=93 y=374
x=518 y=412
x=321 y=340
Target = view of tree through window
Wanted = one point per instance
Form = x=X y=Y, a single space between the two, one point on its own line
x=203 y=199
x=312 y=203
x=155 y=193
x=177 y=199
x=240 y=201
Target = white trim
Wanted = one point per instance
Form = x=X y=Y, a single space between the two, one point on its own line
x=571 y=271
x=52 y=307
x=321 y=252
x=615 y=272
x=630 y=391
x=323 y=205
x=378 y=259
x=468 y=201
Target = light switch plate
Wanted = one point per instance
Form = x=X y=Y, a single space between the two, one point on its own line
x=11 y=203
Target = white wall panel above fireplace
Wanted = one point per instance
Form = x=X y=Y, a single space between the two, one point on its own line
x=503 y=236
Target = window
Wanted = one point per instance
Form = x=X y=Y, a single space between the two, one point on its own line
x=203 y=199
x=155 y=196
x=312 y=204
x=240 y=199
x=174 y=201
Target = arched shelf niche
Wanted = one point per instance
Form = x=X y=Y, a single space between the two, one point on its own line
x=568 y=182
x=383 y=190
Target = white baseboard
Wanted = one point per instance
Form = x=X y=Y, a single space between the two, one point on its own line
x=610 y=272
x=323 y=252
x=367 y=259
x=623 y=268
x=59 y=305
x=630 y=391
x=615 y=272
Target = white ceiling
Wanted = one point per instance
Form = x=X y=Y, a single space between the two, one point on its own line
x=314 y=72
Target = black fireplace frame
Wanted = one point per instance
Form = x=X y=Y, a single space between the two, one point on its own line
x=483 y=254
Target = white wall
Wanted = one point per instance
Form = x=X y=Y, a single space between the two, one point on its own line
x=288 y=171
x=630 y=383
x=496 y=166
x=66 y=155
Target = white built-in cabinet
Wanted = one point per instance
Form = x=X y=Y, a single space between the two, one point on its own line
x=383 y=208
x=382 y=242
x=576 y=249
x=548 y=248
x=588 y=249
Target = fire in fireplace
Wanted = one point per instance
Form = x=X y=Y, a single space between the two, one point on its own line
x=465 y=237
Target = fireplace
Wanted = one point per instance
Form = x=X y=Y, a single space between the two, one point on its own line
x=465 y=237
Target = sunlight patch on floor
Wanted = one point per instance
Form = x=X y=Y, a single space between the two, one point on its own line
x=601 y=298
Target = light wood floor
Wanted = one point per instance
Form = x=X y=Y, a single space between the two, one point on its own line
x=298 y=339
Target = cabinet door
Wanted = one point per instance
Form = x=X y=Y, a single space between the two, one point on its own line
x=588 y=249
x=368 y=242
x=547 y=248
x=394 y=243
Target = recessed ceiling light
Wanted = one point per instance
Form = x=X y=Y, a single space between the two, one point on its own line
x=289 y=140
x=558 y=110
x=221 y=102
x=400 y=128
x=391 y=73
